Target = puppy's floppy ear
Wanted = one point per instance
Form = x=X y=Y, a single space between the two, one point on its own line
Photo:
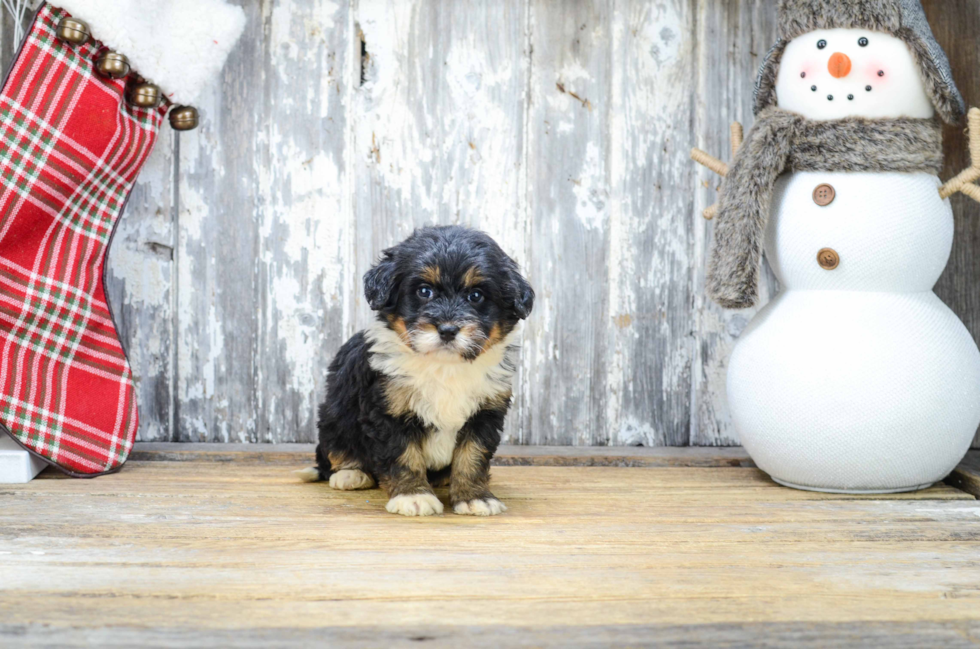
x=523 y=294
x=381 y=282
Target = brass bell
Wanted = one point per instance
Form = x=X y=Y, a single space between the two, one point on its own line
x=74 y=31
x=113 y=65
x=184 y=118
x=145 y=95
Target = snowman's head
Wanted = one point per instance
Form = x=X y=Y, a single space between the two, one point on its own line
x=837 y=73
x=830 y=52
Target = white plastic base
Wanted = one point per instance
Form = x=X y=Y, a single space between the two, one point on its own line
x=855 y=492
x=17 y=466
x=855 y=392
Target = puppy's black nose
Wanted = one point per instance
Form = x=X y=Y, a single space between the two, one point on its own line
x=447 y=332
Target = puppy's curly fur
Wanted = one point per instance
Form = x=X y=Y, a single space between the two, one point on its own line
x=419 y=397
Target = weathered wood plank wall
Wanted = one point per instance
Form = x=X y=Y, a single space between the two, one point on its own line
x=561 y=127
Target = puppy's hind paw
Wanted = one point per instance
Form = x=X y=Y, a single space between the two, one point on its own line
x=415 y=505
x=310 y=474
x=351 y=480
x=480 y=507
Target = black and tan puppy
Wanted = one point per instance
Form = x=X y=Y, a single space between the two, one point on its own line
x=419 y=397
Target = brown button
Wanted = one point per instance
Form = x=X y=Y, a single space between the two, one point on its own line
x=824 y=195
x=828 y=259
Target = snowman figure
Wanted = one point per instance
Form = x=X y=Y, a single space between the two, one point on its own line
x=856 y=377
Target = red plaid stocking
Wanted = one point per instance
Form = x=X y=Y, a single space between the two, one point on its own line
x=71 y=147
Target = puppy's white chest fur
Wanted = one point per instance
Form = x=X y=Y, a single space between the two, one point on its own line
x=443 y=390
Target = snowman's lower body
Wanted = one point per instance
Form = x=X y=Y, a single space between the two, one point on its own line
x=856 y=392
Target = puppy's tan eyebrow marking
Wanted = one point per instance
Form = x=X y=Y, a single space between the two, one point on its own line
x=472 y=277
x=431 y=274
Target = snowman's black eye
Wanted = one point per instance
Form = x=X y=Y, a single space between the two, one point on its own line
x=863 y=42
x=821 y=44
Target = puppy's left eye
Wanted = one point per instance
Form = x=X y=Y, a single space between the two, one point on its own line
x=475 y=297
x=425 y=292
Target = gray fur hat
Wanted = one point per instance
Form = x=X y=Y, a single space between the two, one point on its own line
x=903 y=19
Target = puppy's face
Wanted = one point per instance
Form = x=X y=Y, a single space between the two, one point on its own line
x=449 y=291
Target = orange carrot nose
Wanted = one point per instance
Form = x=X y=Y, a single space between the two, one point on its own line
x=839 y=65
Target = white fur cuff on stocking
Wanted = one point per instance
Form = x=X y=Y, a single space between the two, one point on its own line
x=180 y=45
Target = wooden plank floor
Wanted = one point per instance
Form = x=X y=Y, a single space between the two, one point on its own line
x=198 y=553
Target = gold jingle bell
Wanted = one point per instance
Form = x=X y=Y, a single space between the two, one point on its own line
x=184 y=118
x=113 y=65
x=74 y=31
x=145 y=95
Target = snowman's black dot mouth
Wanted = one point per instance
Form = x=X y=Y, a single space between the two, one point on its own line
x=868 y=88
x=830 y=97
x=813 y=88
x=850 y=97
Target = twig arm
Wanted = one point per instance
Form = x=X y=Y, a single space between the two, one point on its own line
x=964 y=181
x=973 y=191
x=714 y=164
x=707 y=160
x=738 y=136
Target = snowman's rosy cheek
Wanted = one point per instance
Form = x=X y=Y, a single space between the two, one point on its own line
x=807 y=70
x=875 y=73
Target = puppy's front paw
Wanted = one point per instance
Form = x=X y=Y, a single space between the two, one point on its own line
x=350 y=480
x=415 y=505
x=480 y=507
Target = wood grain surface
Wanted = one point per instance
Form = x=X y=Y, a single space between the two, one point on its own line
x=966 y=477
x=955 y=23
x=561 y=128
x=579 y=456
x=741 y=635
x=194 y=553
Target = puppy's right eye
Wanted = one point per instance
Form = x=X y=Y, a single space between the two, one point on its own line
x=425 y=293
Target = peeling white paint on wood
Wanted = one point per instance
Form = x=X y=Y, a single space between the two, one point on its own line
x=569 y=197
x=733 y=38
x=438 y=127
x=560 y=127
x=651 y=276
x=264 y=282
x=140 y=289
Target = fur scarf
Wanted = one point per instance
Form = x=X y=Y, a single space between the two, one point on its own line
x=781 y=141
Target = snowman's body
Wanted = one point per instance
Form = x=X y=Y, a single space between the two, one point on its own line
x=856 y=378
